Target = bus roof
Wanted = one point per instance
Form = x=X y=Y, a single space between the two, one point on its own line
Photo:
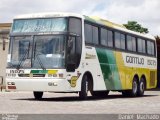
x=48 y=15
x=93 y=19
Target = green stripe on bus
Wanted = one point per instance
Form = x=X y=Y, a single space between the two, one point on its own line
x=39 y=71
x=109 y=69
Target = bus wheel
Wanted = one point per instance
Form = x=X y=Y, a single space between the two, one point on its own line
x=84 y=88
x=38 y=95
x=133 y=92
x=141 y=87
x=100 y=93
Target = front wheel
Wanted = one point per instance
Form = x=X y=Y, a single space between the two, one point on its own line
x=84 y=88
x=38 y=95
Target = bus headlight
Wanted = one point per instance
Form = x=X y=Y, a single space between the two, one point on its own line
x=10 y=83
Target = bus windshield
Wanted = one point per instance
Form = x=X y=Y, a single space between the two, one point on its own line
x=49 y=52
x=46 y=52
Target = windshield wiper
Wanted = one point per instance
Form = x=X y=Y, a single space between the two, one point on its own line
x=23 y=58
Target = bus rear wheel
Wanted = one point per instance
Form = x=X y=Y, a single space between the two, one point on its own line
x=38 y=95
x=141 y=87
x=84 y=88
x=100 y=93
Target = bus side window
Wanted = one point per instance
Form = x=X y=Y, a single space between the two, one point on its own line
x=104 y=37
x=110 y=38
x=117 y=40
x=134 y=44
x=95 y=35
x=91 y=34
x=153 y=48
x=150 y=48
x=123 y=41
x=88 y=33
x=141 y=46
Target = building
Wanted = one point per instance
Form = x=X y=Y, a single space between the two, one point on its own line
x=4 y=43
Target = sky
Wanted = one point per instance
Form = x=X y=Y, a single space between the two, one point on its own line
x=145 y=12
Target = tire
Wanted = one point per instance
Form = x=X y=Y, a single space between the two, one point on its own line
x=134 y=91
x=100 y=93
x=84 y=88
x=141 y=87
x=38 y=95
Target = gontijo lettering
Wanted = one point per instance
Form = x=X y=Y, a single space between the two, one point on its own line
x=135 y=60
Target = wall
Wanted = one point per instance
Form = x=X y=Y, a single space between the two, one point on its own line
x=4 y=43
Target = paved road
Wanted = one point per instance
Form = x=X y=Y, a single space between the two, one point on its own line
x=56 y=103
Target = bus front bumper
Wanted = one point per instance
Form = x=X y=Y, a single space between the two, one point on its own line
x=37 y=84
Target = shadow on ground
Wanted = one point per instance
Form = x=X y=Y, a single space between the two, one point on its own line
x=76 y=98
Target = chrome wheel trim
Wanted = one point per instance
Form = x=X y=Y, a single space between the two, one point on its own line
x=135 y=87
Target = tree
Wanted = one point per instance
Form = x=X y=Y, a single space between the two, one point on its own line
x=134 y=26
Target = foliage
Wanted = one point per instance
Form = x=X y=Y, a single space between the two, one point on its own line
x=134 y=26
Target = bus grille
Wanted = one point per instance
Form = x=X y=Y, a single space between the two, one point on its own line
x=152 y=78
x=31 y=75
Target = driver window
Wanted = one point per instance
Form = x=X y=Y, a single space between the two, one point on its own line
x=71 y=49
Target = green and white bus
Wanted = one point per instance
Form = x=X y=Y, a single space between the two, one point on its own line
x=66 y=52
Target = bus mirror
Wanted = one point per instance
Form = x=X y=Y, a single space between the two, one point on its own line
x=71 y=67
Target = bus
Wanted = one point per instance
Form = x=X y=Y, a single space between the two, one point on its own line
x=72 y=53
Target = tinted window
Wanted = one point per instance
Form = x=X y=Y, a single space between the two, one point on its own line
x=110 y=38
x=117 y=40
x=153 y=48
x=134 y=44
x=75 y=26
x=95 y=34
x=88 y=33
x=104 y=37
x=91 y=34
x=122 y=41
x=129 y=43
x=150 y=48
x=141 y=46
